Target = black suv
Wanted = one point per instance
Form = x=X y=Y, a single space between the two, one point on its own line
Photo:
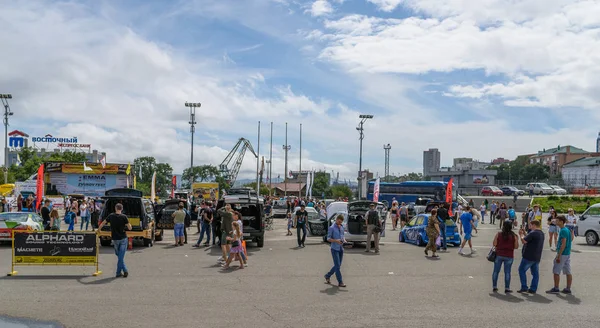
x=252 y=210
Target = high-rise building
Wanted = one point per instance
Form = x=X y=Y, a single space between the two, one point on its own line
x=598 y=143
x=431 y=161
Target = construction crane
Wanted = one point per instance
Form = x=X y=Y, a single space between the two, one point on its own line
x=230 y=172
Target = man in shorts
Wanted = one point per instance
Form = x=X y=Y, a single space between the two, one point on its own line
x=467 y=225
x=226 y=214
x=179 y=220
x=562 y=262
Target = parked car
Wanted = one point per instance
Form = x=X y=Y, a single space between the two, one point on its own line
x=279 y=209
x=252 y=210
x=25 y=221
x=558 y=190
x=588 y=224
x=491 y=191
x=510 y=191
x=414 y=231
x=540 y=188
x=355 y=224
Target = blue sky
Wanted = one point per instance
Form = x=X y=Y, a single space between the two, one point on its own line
x=483 y=79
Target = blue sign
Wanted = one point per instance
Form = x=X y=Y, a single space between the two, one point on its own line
x=16 y=141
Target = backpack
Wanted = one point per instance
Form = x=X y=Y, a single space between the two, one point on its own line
x=69 y=217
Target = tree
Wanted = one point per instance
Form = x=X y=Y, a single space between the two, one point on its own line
x=338 y=191
x=199 y=173
x=30 y=162
x=148 y=165
x=320 y=184
x=223 y=185
x=411 y=177
x=264 y=189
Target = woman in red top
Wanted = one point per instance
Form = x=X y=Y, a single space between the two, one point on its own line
x=505 y=243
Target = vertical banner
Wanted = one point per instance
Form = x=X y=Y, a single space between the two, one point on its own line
x=307 y=183
x=376 y=191
x=39 y=190
x=449 y=195
x=153 y=187
x=173 y=184
x=134 y=182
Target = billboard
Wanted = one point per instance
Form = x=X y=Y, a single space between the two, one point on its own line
x=481 y=179
x=205 y=190
x=91 y=168
x=93 y=185
x=54 y=248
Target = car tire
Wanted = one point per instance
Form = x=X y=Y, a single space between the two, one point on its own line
x=148 y=241
x=159 y=237
x=260 y=242
x=419 y=241
x=105 y=242
x=401 y=238
x=591 y=238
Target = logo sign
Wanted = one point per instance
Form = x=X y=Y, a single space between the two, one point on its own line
x=50 y=138
x=16 y=139
x=55 y=248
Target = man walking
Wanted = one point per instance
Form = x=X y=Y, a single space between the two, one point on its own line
x=466 y=225
x=533 y=245
x=443 y=216
x=205 y=218
x=562 y=262
x=335 y=235
x=373 y=228
x=493 y=213
x=118 y=223
x=301 y=217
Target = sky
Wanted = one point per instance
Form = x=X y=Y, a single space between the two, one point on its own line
x=481 y=79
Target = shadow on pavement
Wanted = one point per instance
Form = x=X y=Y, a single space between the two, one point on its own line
x=507 y=298
x=98 y=281
x=537 y=298
x=433 y=258
x=333 y=290
x=46 y=277
x=570 y=299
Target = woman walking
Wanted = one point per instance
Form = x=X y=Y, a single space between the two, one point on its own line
x=482 y=210
x=505 y=243
x=394 y=213
x=433 y=232
x=85 y=215
x=552 y=228
x=20 y=203
x=236 y=246
x=502 y=214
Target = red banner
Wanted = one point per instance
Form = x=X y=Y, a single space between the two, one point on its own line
x=449 y=196
x=39 y=190
x=173 y=184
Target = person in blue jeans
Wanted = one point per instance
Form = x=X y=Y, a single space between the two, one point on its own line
x=70 y=218
x=505 y=243
x=335 y=235
x=533 y=245
x=119 y=223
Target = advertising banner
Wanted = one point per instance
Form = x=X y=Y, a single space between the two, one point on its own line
x=481 y=179
x=88 y=168
x=55 y=248
x=93 y=185
x=206 y=190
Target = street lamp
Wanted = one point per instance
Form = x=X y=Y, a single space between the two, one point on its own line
x=363 y=119
x=192 y=123
x=4 y=97
x=286 y=148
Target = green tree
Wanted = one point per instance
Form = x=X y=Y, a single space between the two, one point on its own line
x=338 y=191
x=411 y=177
x=30 y=162
x=223 y=185
x=148 y=165
x=264 y=189
x=199 y=174
x=320 y=184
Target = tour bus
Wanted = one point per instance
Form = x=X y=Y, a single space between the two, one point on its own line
x=410 y=191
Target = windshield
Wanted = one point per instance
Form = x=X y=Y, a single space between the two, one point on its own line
x=280 y=205
x=543 y=185
x=556 y=187
x=495 y=188
x=15 y=217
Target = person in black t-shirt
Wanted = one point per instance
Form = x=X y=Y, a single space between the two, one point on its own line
x=118 y=223
x=46 y=214
x=301 y=218
x=533 y=245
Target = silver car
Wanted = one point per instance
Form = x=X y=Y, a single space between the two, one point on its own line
x=355 y=220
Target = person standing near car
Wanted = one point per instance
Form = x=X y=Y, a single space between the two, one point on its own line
x=572 y=223
x=301 y=218
x=562 y=262
x=335 y=236
x=533 y=245
x=119 y=223
x=394 y=215
x=443 y=215
x=403 y=215
x=373 y=228
x=226 y=214
x=179 y=221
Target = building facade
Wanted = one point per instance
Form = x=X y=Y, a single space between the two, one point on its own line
x=499 y=161
x=467 y=182
x=431 y=161
x=556 y=158
x=582 y=172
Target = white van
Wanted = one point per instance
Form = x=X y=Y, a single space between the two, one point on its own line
x=540 y=188
x=588 y=224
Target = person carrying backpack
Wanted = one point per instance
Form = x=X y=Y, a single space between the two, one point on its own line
x=373 y=228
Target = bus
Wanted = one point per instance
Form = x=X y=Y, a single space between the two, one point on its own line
x=409 y=191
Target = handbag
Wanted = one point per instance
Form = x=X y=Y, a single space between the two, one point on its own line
x=438 y=241
x=492 y=255
x=235 y=243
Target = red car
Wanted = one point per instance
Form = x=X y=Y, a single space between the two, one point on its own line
x=491 y=191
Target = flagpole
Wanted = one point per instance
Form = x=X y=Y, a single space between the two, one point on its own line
x=271 y=162
x=300 y=174
x=258 y=163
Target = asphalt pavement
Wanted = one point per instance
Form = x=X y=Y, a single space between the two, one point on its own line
x=284 y=287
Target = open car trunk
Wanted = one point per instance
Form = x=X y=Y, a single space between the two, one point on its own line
x=251 y=216
x=357 y=224
x=164 y=219
x=132 y=207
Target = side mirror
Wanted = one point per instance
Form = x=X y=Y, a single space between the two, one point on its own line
x=582 y=217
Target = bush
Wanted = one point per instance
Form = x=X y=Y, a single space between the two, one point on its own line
x=553 y=198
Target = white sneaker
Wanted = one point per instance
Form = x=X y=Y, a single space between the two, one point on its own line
x=460 y=252
x=220 y=259
x=473 y=251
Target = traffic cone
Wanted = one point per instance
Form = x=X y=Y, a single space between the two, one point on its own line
x=130 y=243
x=244 y=246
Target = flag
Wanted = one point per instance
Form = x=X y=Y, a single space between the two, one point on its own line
x=18 y=160
x=39 y=187
x=86 y=168
x=103 y=161
x=173 y=184
x=128 y=171
x=140 y=172
x=134 y=182
x=290 y=175
x=312 y=182
x=153 y=187
x=308 y=186
x=376 y=191
x=449 y=196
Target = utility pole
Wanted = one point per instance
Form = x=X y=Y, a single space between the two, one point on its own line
x=387 y=161
x=286 y=148
x=363 y=119
x=192 y=122
x=300 y=174
x=7 y=113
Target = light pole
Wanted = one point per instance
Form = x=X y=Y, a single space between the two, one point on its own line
x=192 y=122
x=387 y=149
x=7 y=113
x=270 y=161
x=363 y=119
x=286 y=148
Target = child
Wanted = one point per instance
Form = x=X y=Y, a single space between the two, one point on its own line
x=236 y=246
x=290 y=222
x=54 y=220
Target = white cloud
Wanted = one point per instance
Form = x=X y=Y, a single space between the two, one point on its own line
x=386 y=5
x=320 y=8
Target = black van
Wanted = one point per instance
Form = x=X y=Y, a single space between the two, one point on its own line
x=252 y=210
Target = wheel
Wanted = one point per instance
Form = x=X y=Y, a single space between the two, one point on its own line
x=419 y=241
x=148 y=241
x=105 y=242
x=260 y=242
x=159 y=237
x=400 y=237
x=591 y=238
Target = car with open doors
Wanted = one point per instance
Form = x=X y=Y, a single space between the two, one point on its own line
x=252 y=209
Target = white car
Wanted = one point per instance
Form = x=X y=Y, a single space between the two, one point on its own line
x=25 y=221
x=558 y=190
x=279 y=209
x=540 y=188
x=588 y=224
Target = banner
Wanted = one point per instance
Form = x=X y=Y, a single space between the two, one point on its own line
x=173 y=184
x=205 y=190
x=77 y=168
x=449 y=195
x=481 y=179
x=153 y=188
x=39 y=190
x=92 y=185
x=376 y=191
x=54 y=248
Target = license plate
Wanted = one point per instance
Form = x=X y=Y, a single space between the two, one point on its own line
x=246 y=235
